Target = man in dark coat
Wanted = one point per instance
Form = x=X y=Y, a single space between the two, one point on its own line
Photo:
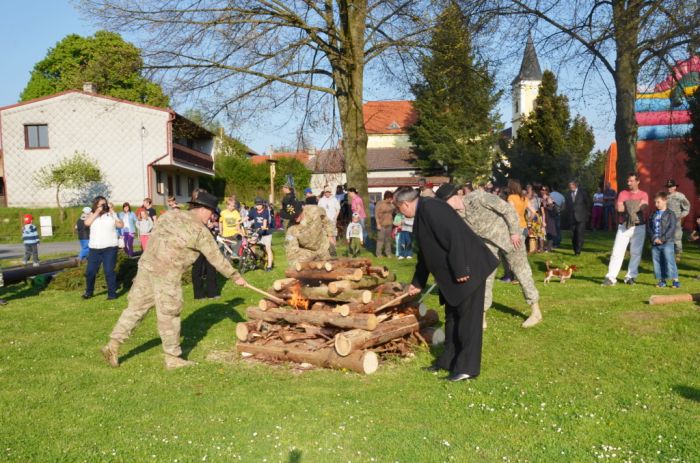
x=460 y=263
x=578 y=206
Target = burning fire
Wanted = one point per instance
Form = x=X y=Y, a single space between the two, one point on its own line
x=298 y=301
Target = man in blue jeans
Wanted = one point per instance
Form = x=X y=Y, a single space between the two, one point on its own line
x=662 y=227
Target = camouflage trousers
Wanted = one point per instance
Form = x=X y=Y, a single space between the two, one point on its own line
x=678 y=237
x=165 y=293
x=307 y=255
x=517 y=260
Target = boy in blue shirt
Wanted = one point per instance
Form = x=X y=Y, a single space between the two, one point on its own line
x=662 y=226
x=30 y=238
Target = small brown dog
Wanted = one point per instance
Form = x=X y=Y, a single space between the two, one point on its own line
x=562 y=274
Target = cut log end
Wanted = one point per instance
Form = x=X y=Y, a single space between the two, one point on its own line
x=343 y=310
x=242 y=332
x=370 y=362
x=366 y=297
x=342 y=344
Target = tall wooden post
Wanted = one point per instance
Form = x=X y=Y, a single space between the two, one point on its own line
x=273 y=172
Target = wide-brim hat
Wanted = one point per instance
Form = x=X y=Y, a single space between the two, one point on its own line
x=291 y=209
x=205 y=199
x=446 y=191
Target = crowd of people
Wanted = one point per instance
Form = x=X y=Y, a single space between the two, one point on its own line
x=461 y=233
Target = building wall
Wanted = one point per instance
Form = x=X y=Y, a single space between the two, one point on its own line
x=123 y=138
x=524 y=94
x=388 y=141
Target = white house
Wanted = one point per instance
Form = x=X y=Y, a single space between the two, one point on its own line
x=143 y=151
x=390 y=158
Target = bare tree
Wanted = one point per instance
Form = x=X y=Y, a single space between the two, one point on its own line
x=619 y=38
x=265 y=53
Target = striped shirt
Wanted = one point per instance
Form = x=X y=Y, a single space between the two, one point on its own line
x=30 y=234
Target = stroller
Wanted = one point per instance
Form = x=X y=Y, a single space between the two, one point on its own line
x=243 y=252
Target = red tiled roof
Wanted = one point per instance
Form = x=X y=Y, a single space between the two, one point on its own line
x=389 y=117
x=387 y=182
x=333 y=161
x=301 y=156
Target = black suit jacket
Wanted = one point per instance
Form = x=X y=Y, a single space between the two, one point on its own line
x=449 y=249
x=580 y=209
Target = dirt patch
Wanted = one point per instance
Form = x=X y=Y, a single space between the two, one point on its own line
x=231 y=357
x=646 y=322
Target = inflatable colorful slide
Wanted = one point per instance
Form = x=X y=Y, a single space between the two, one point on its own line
x=663 y=113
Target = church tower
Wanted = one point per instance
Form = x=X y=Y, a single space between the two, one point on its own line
x=525 y=86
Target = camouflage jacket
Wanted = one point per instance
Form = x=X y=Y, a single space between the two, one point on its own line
x=679 y=204
x=310 y=234
x=492 y=218
x=176 y=242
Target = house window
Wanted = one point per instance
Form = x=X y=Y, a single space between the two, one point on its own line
x=178 y=190
x=190 y=186
x=36 y=136
x=159 y=183
x=2 y=186
x=394 y=126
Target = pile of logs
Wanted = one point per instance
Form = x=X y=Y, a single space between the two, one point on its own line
x=336 y=314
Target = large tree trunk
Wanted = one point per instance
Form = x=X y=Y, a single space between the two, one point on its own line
x=348 y=75
x=626 y=24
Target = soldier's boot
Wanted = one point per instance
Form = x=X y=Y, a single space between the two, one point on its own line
x=111 y=353
x=535 y=316
x=173 y=363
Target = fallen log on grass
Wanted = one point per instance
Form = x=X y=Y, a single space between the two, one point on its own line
x=673 y=298
x=365 y=362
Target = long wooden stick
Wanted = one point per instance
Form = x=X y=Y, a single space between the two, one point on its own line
x=392 y=302
x=267 y=295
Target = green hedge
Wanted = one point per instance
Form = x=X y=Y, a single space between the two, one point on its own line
x=73 y=279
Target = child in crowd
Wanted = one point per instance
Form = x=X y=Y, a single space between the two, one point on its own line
x=354 y=235
x=662 y=226
x=30 y=237
x=144 y=226
x=83 y=234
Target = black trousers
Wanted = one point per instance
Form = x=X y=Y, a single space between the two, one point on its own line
x=578 y=229
x=463 y=335
x=204 y=279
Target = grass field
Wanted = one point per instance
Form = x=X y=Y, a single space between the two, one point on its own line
x=605 y=377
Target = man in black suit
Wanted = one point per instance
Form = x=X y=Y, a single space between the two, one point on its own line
x=578 y=206
x=460 y=263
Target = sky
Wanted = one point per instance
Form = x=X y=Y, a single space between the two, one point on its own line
x=26 y=36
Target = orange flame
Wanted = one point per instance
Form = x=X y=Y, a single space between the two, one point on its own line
x=298 y=301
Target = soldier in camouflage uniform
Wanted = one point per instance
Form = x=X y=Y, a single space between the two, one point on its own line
x=679 y=205
x=496 y=222
x=174 y=245
x=310 y=233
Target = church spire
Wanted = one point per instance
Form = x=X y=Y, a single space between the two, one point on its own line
x=530 y=67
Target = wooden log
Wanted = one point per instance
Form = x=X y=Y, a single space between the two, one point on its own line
x=382 y=303
x=264 y=304
x=321 y=293
x=290 y=336
x=432 y=335
x=354 y=340
x=284 y=283
x=381 y=271
x=349 y=263
x=673 y=298
x=314 y=317
x=362 y=362
x=354 y=274
x=245 y=329
x=367 y=282
x=313 y=265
